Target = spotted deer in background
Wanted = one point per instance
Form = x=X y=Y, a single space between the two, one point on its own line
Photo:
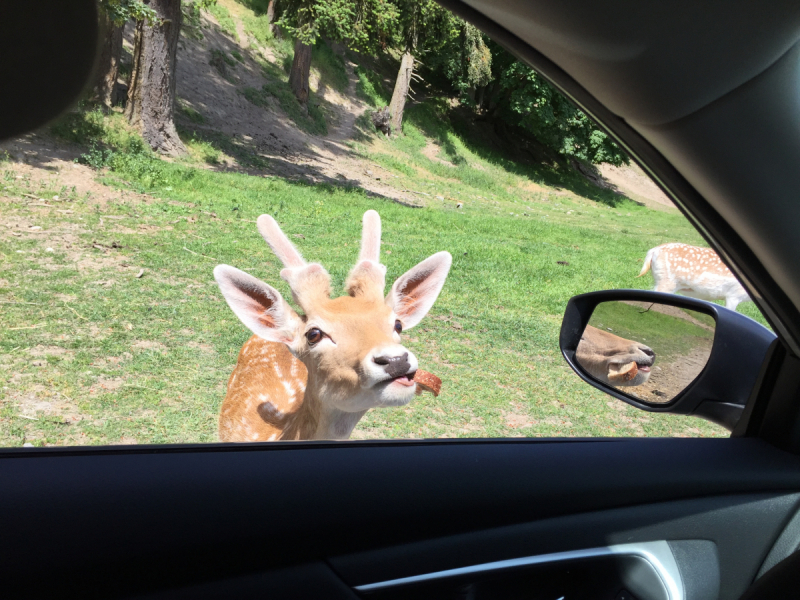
x=695 y=272
x=314 y=375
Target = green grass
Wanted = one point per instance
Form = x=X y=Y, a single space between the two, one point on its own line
x=330 y=66
x=312 y=121
x=224 y=19
x=668 y=335
x=371 y=89
x=98 y=355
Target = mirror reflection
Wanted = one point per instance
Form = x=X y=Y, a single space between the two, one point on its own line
x=646 y=350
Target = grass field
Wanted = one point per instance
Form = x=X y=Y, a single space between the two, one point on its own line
x=92 y=354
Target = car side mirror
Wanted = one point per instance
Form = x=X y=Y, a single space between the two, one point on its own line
x=665 y=353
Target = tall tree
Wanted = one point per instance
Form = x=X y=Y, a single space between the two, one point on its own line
x=358 y=24
x=423 y=24
x=108 y=61
x=465 y=61
x=113 y=16
x=151 y=95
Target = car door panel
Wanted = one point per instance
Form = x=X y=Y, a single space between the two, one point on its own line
x=144 y=519
x=699 y=533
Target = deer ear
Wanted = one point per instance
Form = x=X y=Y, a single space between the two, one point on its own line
x=414 y=293
x=260 y=307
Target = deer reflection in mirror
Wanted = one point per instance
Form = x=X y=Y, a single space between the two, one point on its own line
x=622 y=341
x=614 y=360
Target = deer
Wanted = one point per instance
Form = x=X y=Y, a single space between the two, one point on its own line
x=695 y=272
x=313 y=375
x=614 y=360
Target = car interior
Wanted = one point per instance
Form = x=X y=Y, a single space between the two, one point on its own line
x=706 y=99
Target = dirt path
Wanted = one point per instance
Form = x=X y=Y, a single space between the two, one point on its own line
x=667 y=380
x=634 y=183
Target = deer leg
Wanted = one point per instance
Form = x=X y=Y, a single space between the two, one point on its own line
x=731 y=302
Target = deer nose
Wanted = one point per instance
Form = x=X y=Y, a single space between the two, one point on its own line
x=647 y=351
x=395 y=366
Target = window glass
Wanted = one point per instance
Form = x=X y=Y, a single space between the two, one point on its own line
x=113 y=329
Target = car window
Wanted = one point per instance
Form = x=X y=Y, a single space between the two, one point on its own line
x=114 y=330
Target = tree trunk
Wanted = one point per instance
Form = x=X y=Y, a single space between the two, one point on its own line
x=108 y=61
x=151 y=95
x=273 y=26
x=298 y=76
x=401 y=86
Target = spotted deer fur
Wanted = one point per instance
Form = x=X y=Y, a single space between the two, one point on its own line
x=695 y=272
x=313 y=375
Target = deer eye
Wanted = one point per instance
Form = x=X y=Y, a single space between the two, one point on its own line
x=314 y=335
x=398 y=326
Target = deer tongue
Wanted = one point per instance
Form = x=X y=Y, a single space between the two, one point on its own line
x=427 y=382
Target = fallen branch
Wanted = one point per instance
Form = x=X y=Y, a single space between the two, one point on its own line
x=30 y=327
x=26 y=417
x=15 y=302
x=76 y=312
x=416 y=192
x=139 y=274
x=198 y=254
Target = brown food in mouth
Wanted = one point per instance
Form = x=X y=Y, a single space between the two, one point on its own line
x=427 y=382
x=625 y=373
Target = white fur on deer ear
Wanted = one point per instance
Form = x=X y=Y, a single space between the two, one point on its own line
x=414 y=293
x=259 y=306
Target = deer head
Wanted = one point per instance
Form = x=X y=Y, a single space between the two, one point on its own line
x=613 y=359
x=350 y=345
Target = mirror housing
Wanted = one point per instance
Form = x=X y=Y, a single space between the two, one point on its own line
x=721 y=390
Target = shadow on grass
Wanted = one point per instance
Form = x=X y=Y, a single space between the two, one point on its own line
x=481 y=139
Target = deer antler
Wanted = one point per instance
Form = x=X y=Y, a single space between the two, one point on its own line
x=308 y=281
x=368 y=277
x=279 y=243
x=371 y=237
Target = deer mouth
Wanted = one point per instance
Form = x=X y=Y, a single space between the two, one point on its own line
x=406 y=380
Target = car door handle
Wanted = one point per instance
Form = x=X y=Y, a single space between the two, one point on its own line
x=661 y=581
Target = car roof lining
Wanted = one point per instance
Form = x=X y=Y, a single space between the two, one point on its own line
x=653 y=63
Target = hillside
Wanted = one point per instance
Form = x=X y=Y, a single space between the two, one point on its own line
x=112 y=329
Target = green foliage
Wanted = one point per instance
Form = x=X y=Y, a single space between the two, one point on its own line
x=121 y=11
x=422 y=26
x=362 y=25
x=538 y=107
x=110 y=144
x=464 y=59
x=80 y=127
x=237 y=55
